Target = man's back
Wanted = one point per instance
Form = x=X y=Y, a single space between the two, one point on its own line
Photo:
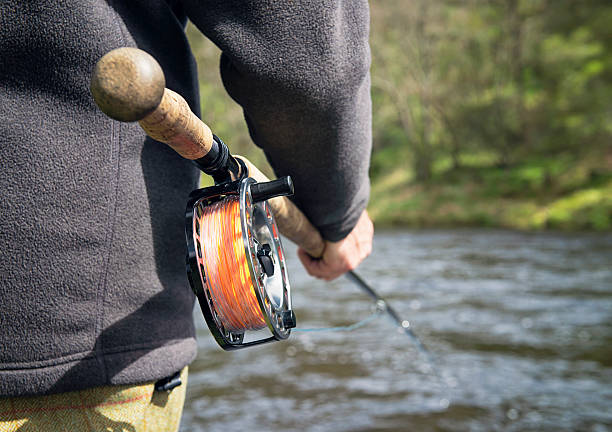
x=93 y=288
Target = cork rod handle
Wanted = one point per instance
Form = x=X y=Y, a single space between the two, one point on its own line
x=173 y=123
x=129 y=85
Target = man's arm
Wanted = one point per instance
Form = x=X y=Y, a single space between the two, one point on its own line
x=300 y=70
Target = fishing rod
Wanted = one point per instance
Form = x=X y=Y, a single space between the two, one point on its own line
x=236 y=262
x=383 y=305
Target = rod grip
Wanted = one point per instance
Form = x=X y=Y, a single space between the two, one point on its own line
x=173 y=123
x=291 y=222
x=129 y=85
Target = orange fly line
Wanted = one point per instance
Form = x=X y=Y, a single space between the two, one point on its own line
x=225 y=264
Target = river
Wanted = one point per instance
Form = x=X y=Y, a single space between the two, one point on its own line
x=520 y=325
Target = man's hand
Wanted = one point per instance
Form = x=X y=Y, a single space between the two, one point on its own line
x=340 y=257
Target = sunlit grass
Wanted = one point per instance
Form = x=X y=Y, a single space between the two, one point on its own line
x=587 y=208
x=533 y=195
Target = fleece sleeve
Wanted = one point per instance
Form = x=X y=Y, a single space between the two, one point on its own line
x=300 y=71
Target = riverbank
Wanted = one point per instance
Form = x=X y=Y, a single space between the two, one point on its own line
x=559 y=193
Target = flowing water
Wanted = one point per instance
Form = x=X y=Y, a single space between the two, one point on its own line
x=520 y=326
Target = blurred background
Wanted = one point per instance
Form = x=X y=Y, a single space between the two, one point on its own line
x=485 y=113
x=492 y=198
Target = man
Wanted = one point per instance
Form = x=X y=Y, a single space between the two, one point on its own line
x=93 y=293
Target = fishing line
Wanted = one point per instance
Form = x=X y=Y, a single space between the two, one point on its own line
x=225 y=265
x=351 y=327
x=229 y=240
x=403 y=325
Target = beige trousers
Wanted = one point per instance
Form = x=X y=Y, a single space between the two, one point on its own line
x=113 y=408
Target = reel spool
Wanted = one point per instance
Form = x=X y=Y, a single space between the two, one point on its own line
x=236 y=264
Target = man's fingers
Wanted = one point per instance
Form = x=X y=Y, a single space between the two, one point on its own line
x=319 y=268
x=340 y=257
x=311 y=265
x=305 y=259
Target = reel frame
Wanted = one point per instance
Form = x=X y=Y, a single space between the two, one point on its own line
x=258 y=228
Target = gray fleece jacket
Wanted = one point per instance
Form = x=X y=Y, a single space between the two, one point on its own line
x=92 y=257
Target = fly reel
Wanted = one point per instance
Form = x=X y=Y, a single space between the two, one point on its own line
x=235 y=260
x=236 y=264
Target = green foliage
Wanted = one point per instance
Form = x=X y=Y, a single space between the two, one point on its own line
x=537 y=194
x=501 y=108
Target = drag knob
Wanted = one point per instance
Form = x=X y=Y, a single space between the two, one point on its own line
x=264 y=255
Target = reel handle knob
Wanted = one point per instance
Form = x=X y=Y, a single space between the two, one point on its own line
x=288 y=319
x=265 y=190
x=129 y=85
